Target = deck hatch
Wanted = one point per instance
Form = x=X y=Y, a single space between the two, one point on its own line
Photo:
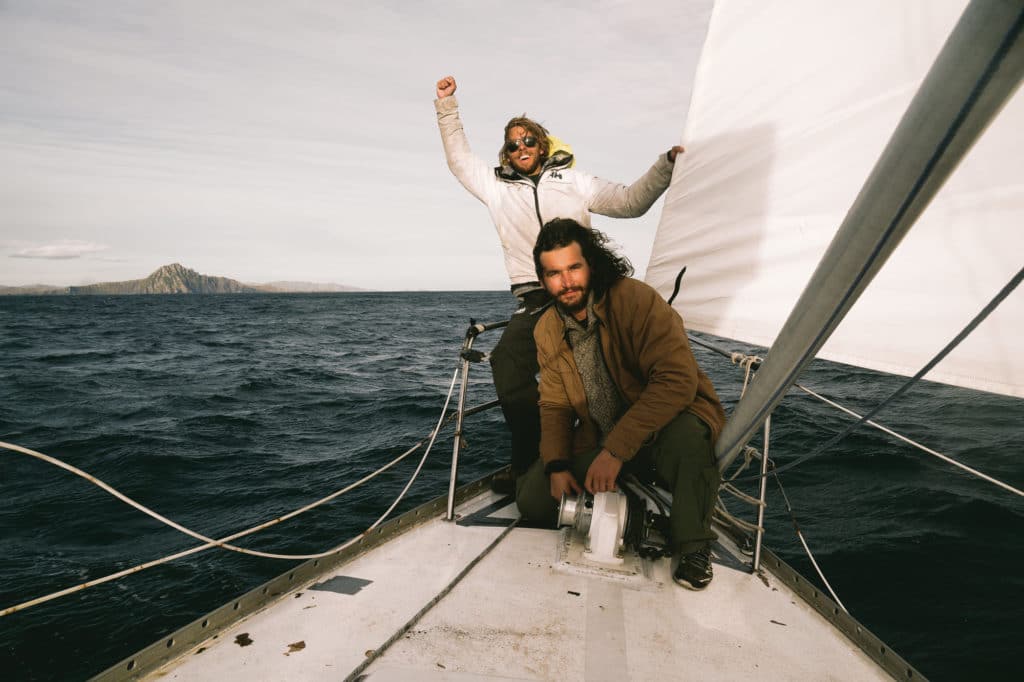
x=342 y=584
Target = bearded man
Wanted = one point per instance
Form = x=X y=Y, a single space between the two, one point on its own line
x=620 y=390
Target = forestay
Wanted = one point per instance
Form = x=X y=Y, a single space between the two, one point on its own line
x=792 y=104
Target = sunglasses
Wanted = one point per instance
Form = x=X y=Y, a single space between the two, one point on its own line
x=528 y=141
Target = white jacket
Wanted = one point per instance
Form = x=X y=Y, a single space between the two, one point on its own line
x=519 y=208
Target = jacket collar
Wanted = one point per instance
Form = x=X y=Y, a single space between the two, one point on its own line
x=560 y=159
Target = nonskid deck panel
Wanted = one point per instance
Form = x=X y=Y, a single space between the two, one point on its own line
x=213 y=624
x=515 y=615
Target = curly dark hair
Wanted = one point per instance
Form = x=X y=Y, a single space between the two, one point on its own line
x=531 y=127
x=606 y=267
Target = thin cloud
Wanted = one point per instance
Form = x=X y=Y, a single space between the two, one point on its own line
x=62 y=250
x=144 y=126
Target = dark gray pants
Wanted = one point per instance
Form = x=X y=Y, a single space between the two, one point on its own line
x=514 y=366
x=681 y=458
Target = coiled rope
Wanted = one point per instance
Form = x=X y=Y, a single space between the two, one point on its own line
x=223 y=542
x=746 y=362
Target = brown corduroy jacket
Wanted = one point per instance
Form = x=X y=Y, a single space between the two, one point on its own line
x=649 y=359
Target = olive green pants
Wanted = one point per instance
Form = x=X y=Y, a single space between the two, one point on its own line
x=681 y=458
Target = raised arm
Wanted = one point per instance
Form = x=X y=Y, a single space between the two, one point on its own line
x=446 y=87
x=473 y=172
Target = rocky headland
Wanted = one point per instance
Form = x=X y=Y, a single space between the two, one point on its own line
x=177 y=279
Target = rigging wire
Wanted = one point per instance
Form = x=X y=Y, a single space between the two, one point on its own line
x=223 y=542
x=914 y=443
x=978 y=319
x=710 y=346
x=800 y=535
x=748 y=362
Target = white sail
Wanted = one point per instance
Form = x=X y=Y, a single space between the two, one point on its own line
x=780 y=137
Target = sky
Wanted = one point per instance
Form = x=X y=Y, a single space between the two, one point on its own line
x=268 y=141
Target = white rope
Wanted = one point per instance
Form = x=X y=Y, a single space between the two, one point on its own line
x=209 y=543
x=416 y=473
x=746 y=362
x=223 y=542
x=172 y=557
x=917 y=445
x=749 y=454
x=724 y=513
x=742 y=496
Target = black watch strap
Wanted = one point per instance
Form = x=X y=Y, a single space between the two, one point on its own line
x=556 y=465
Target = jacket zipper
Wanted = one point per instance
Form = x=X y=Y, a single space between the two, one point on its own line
x=536 y=199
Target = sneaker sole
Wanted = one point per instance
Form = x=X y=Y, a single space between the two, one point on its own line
x=690 y=586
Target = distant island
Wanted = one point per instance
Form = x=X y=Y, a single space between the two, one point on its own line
x=177 y=279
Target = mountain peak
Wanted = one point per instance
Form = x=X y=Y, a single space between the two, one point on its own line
x=173 y=268
x=169 y=279
x=177 y=279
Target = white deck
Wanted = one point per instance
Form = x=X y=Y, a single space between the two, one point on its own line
x=521 y=614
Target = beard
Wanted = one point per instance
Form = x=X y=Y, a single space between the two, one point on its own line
x=579 y=304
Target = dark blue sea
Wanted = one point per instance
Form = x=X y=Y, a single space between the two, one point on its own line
x=223 y=411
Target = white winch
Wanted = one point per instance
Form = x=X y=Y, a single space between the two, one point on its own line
x=602 y=519
x=636 y=515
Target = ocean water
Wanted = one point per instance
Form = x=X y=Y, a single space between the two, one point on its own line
x=223 y=411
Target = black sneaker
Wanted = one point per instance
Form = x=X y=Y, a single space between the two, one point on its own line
x=694 y=570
